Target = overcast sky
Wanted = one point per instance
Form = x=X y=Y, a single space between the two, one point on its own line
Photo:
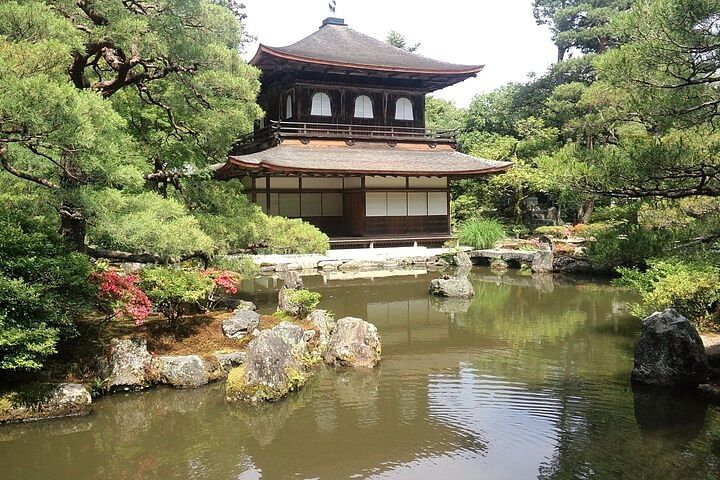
x=501 y=34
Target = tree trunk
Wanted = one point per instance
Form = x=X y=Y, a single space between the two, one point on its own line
x=72 y=226
x=561 y=53
x=72 y=220
x=586 y=211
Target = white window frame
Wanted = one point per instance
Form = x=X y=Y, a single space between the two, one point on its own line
x=363 y=107
x=321 y=106
x=404 y=109
x=288 y=107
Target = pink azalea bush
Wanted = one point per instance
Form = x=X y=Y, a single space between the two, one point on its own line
x=119 y=295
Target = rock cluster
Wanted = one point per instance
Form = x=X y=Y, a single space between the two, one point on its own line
x=310 y=262
x=278 y=360
x=670 y=352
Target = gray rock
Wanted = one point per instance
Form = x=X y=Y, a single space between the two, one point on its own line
x=506 y=254
x=329 y=264
x=242 y=322
x=711 y=342
x=247 y=305
x=452 y=287
x=229 y=360
x=361 y=265
x=670 y=352
x=272 y=369
x=543 y=261
x=324 y=323
x=292 y=280
x=182 y=371
x=293 y=335
x=63 y=400
x=462 y=259
x=128 y=365
x=354 y=343
x=710 y=390
x=568 y=264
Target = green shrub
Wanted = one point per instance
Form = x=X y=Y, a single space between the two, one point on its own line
x=43 y=288
x=26 y=334
x=692 y=288
x=305 y=301
x=481 y=234
x=624 y=246
x=293 y=236
x=240 y=264
x=557 y=231
x=175 y=292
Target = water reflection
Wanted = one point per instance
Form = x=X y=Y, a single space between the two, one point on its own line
x=529 y=379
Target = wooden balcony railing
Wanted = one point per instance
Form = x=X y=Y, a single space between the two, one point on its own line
x=277 y=130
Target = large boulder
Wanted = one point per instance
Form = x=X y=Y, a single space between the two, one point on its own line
x=39 y=402
x=670 y=352
x=272 y=369
x=242 y=322
x=354 y=343
x=293 y=335
x=187 y=371
x=128 y=365
x=452 y=287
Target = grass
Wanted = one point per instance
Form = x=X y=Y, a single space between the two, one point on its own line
x=481 y=234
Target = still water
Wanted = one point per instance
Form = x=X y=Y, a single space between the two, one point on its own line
x=528 y=380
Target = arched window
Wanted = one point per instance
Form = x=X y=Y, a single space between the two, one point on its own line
x=403 y=109
x=363 y=107
x=288 y=107
x=321 y=105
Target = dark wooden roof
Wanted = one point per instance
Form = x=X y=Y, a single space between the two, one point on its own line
x=339 y=46
x=339 y=159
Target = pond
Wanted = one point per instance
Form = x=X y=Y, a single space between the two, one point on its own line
x=528 y=380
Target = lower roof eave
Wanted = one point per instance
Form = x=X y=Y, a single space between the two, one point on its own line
x=236 y=168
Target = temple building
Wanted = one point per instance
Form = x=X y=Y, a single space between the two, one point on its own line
x=343 y=144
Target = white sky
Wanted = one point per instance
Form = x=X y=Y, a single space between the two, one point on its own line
x=501 y=34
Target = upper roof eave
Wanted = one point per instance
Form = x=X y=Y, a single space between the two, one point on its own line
x=466 y=70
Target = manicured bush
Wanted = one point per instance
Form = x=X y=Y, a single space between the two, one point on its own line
x=27 y=336
x=624 y=246
x=243 y=265
x=293 y=236
x=305 y=300
x=557 y=231
x=176 y=292
x=481 y=234
x=692 y=288
x=43 y=288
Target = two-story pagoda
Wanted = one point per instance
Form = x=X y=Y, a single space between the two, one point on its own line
x=344 y=144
